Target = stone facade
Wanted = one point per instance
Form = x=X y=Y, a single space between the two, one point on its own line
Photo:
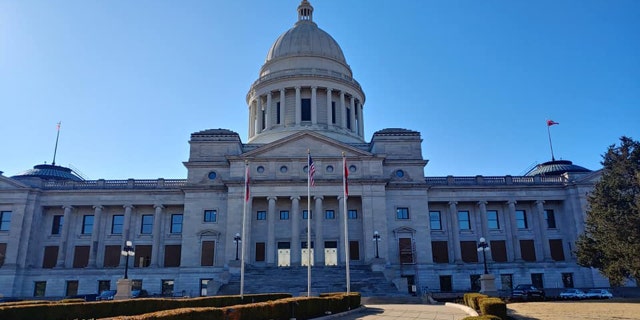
x=63 y=236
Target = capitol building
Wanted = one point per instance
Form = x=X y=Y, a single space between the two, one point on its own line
x=62 y=235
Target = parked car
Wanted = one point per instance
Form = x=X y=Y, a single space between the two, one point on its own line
x=106 y=295
x=572 y=294
x=527 y=292
x=599 y=294
x=139 y=293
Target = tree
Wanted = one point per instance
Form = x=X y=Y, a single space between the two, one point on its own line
x=611 y=239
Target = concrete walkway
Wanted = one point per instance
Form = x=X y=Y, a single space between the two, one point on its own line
x=401 y=312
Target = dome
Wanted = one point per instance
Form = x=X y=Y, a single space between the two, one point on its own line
x=556 y=168
x=49 y=172
x=306 y=39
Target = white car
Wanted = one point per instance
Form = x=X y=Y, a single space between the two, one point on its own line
x=599 y=294
x=573 y=294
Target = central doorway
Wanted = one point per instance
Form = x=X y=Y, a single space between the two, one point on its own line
x=284 y=254
x=331 y=253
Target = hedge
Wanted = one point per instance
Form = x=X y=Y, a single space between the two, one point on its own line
x=493 y=306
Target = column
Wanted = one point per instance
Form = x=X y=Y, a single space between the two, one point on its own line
x=341 y=248
x=269 y=113
x=517 y=256
x=542 y=227
x=352 y=109
x=296 y=216
x=125 y=229
x=329 y=108
x=251 y=121
x=64 y=237
x=314 y=107
x=298 y=107
x=484 y=225
x=319 y=240
x=95 y=235
x=260 y=114
x=283 y=113
x=271 y=235
x=360 y=120
x=343 y=111
x=455 y=230
x=157 y=235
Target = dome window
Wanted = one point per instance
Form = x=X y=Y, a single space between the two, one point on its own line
x=212 y=175
x=329 y=169
x=260 y=169
x=399 y=173
x=284 y=169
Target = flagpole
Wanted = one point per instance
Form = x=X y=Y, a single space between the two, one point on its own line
x=55 y=150
x=244 y=223
x=550 y=145
x=309 y=223
x=344 y=216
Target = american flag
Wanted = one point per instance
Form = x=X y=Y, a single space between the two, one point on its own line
x=312 y=171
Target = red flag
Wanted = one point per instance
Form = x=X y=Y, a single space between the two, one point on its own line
x=551 y=122
x=246 y=184
x=346 y=175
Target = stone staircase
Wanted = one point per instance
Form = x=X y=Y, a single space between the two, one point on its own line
x=323 y=279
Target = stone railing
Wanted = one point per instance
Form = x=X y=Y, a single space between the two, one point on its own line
x=323 y=73
x=115 y=184
x=494 y=180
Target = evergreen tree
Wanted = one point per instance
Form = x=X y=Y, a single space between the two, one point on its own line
x=611 y=239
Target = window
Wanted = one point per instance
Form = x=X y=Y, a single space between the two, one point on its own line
x=208 y=250
x=50 y=257
x=446 y=285
x=352 y=214
x=104 y=285
x=537 y=280
x=5 y=220
x=435 y=223
x=402 y=213
x=176 y=223
x=329 y=214
x=475 y=282
x=142 y=256
x=440 y=251
x=136 y=284
x=507 y=281
x=204 y=283
x=167 y=288
x=348 y=118
x=550 y=217
x=87 y=224
x=72 y=288
x=305 y=105
x=354 y=250
x=464 y=223
x=81 y=257
x=333 y=112
x=521 y=219
x=498 y=250
x=260 y=251
x=492 y=220
x=557 y=253
x=210 y=215
x=116 y=224
x=469 y=251
x=147 y=224
x=305 y=214
x=261 y=215
x=284 y=215
x=278 y=113
x=56 y=227
x=3 y=253
x=528 y=250
x=40 y=287
x=112 y=256
x=567 y=280
x=172 y=255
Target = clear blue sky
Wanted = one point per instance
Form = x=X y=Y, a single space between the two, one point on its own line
x=131 y=80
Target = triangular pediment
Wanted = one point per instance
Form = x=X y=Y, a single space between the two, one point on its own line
x=8 y=183
x=298 y=145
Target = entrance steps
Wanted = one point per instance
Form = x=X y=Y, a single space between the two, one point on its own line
x=324 y=279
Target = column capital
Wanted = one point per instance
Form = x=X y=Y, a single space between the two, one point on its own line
x=269 y=94
x=67 y=207
x=98 y=207
x=158 y=206
x=453 y=203
x=272 y=198
x=482 y=203
x=314 y=87
x=318 y=198
x=128 y=206
x=282 y=90
x=297 y=88
x=295 y=198
x=512 y=202
x=329 y=89
x=539 y=202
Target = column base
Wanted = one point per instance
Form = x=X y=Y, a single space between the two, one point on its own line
x=123 y=289
x=488 y=284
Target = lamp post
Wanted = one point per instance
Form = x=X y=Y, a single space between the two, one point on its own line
x=483 y=247
x=237 y=240
x=127 y=251
x=376 y=238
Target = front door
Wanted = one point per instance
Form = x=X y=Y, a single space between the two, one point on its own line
x=405 y=247
x=331 y=253
x=284 y=254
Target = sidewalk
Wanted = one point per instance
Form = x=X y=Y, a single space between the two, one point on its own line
x=401 y=312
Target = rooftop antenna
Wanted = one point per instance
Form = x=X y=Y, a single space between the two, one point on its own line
x=56 y=148
x=549 y=124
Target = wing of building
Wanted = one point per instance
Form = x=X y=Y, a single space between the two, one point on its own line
x=62 y=235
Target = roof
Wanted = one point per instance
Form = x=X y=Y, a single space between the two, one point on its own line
x=50 y=172
x=556 y=168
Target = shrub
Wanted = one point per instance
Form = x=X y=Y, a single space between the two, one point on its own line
x=483 y=317
x=493 y=306
x=471 y=299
